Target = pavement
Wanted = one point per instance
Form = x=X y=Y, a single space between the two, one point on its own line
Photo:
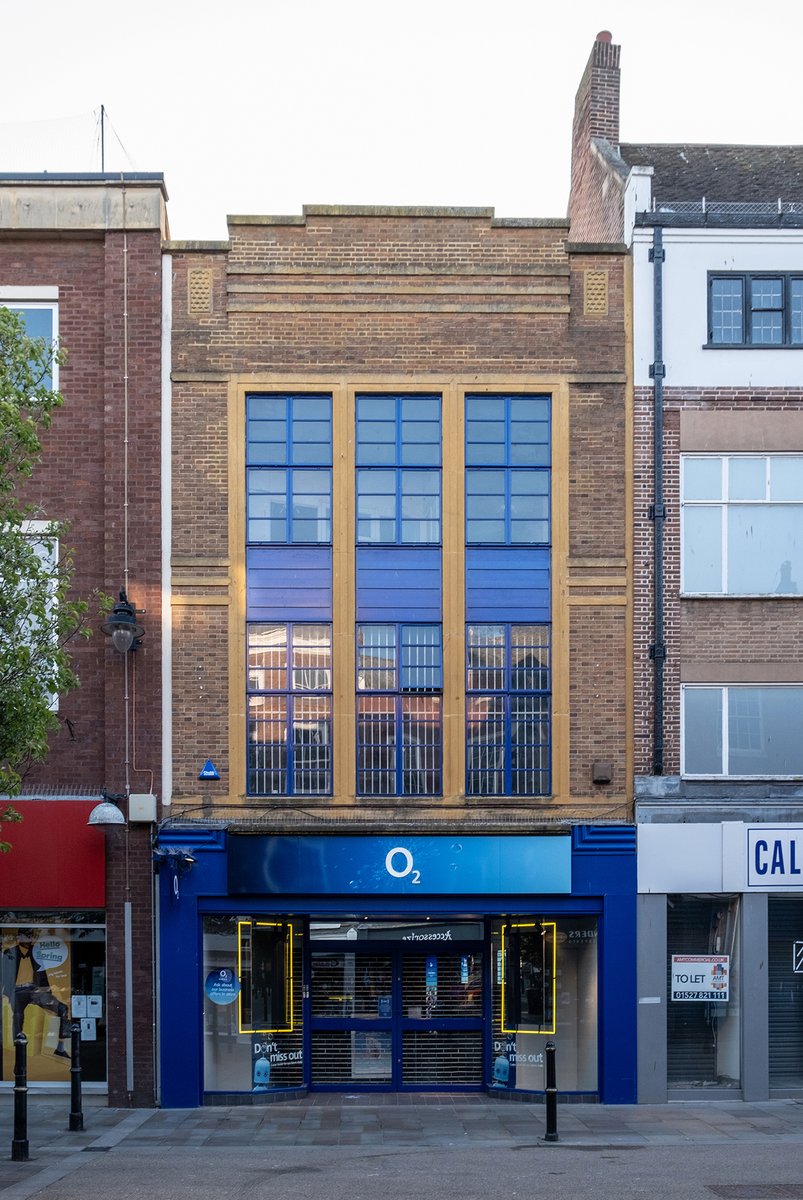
x=223 y=1151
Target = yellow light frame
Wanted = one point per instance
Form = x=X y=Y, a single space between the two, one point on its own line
x=288 y=975
x=553 y=925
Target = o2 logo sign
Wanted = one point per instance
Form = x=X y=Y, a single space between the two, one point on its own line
x=399 y=863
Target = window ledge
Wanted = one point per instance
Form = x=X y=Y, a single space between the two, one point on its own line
x=749 y=346
x=741 y=595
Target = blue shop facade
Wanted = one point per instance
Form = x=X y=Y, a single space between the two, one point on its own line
x=295 y=963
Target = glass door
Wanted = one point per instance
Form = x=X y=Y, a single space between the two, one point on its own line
x=394 y=1016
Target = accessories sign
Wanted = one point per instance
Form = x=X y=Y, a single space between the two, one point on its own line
x=700 y=976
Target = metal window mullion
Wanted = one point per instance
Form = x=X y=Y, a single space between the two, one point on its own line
x=399 y=734
x=725 y=764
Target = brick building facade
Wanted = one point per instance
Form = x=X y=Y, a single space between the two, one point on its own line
x=80 y=257
x=361 y=588
x=714 y=233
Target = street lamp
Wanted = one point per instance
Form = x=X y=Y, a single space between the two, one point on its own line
x=123 y=627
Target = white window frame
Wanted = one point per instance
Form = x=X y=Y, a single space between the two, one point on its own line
x=725 y=504
x=36 y=530
x=724 y=690
x=21 y=298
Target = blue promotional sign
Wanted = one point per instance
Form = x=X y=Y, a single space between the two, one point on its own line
x=209 y=770
x=422 y=866
x=222 y=987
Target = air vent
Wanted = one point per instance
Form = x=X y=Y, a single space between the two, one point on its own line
x=596 y=294
x=199 y=292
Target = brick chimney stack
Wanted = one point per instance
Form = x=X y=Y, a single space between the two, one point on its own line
x=596 y=115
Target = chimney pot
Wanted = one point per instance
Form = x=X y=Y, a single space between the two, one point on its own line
x=604 y=36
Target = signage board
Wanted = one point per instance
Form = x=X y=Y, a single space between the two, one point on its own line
x=415 y=866
x=700 y=977
x=774 y=856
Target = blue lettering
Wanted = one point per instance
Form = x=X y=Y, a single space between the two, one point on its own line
x=794 y=869
x=777 y=859
x=761 y=867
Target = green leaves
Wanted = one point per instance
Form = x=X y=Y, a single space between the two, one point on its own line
x=37 y=616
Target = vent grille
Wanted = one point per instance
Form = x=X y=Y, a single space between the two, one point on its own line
x=199 y=292
x=596 y=294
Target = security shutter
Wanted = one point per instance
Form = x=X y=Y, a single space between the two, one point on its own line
x=786 y=991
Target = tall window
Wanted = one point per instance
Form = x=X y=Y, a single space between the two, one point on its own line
x=755 y=310
x=508 y=710
x=742 y=524
x=289 y=709
x=289 y=460
x=399 y=684
x=398 y=470
x=507 y=470
x=743 y=729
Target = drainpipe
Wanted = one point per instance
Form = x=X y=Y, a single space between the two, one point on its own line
x=658 y=508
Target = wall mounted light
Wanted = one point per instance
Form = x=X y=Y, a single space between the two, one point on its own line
x=123 y=627
x=107 y=813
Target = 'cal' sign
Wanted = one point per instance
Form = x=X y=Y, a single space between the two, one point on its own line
x=775 y=856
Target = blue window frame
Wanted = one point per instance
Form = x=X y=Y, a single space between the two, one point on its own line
x=398 y=470
x=289 y=709
x=288 y=467
x=507 y=470
x=399 y=684
x=508 y=689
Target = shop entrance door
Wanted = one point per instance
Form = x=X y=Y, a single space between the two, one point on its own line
x=396 y=1017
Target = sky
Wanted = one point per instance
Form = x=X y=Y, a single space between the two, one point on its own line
x=262 y=106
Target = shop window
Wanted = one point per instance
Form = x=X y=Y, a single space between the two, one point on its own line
x=252 y=1004
x=507 y=470
x=289 y=476
x=53 y=974
x=742 y=523
x=544 y=988
x=508 y=710
x=289 y=709
x=786 y=991
x=703 y=1011
x=399 y=681
x=398 y=470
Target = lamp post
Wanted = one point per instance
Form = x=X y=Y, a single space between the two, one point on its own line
x=126 y=634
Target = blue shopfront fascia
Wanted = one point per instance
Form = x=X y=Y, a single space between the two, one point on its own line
x=416 y=866
x=603 y=879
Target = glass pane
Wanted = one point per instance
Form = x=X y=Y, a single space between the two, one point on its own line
x=529 y=745
x=351 y=985
x=267 y=658
x=421 y=745
x=702 y=731
x=481 y=531
x=529 y=483
x=764 y=549
x=485 y=408
x=485 y=453
x=485 y=483
x=766 y=328
x=485 y=746
x=702 y=548
x=421 y=408
x=486 y=506
x=747 y=478
x=529 y=658
x=376 y=408
x=529 y=408
x=267 y=408
x=796 y=311
x=267 y=745
x=702 y=478
x=312 y=756
x=786 y=477
x=525 y=454
x=766 y=293
x=727 y=305
x=486 y=658
x=376 y=745
x=421 y=657
x=377 y=483
x=530 y=533
x=312 y=408
x=765 y=731
x=312 y=658
x=376 y=658
x=421 y=454
x=379 y=454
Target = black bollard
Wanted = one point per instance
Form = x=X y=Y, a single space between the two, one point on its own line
x=76 y=1115
x=19 y=1144
x=551 y=1134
